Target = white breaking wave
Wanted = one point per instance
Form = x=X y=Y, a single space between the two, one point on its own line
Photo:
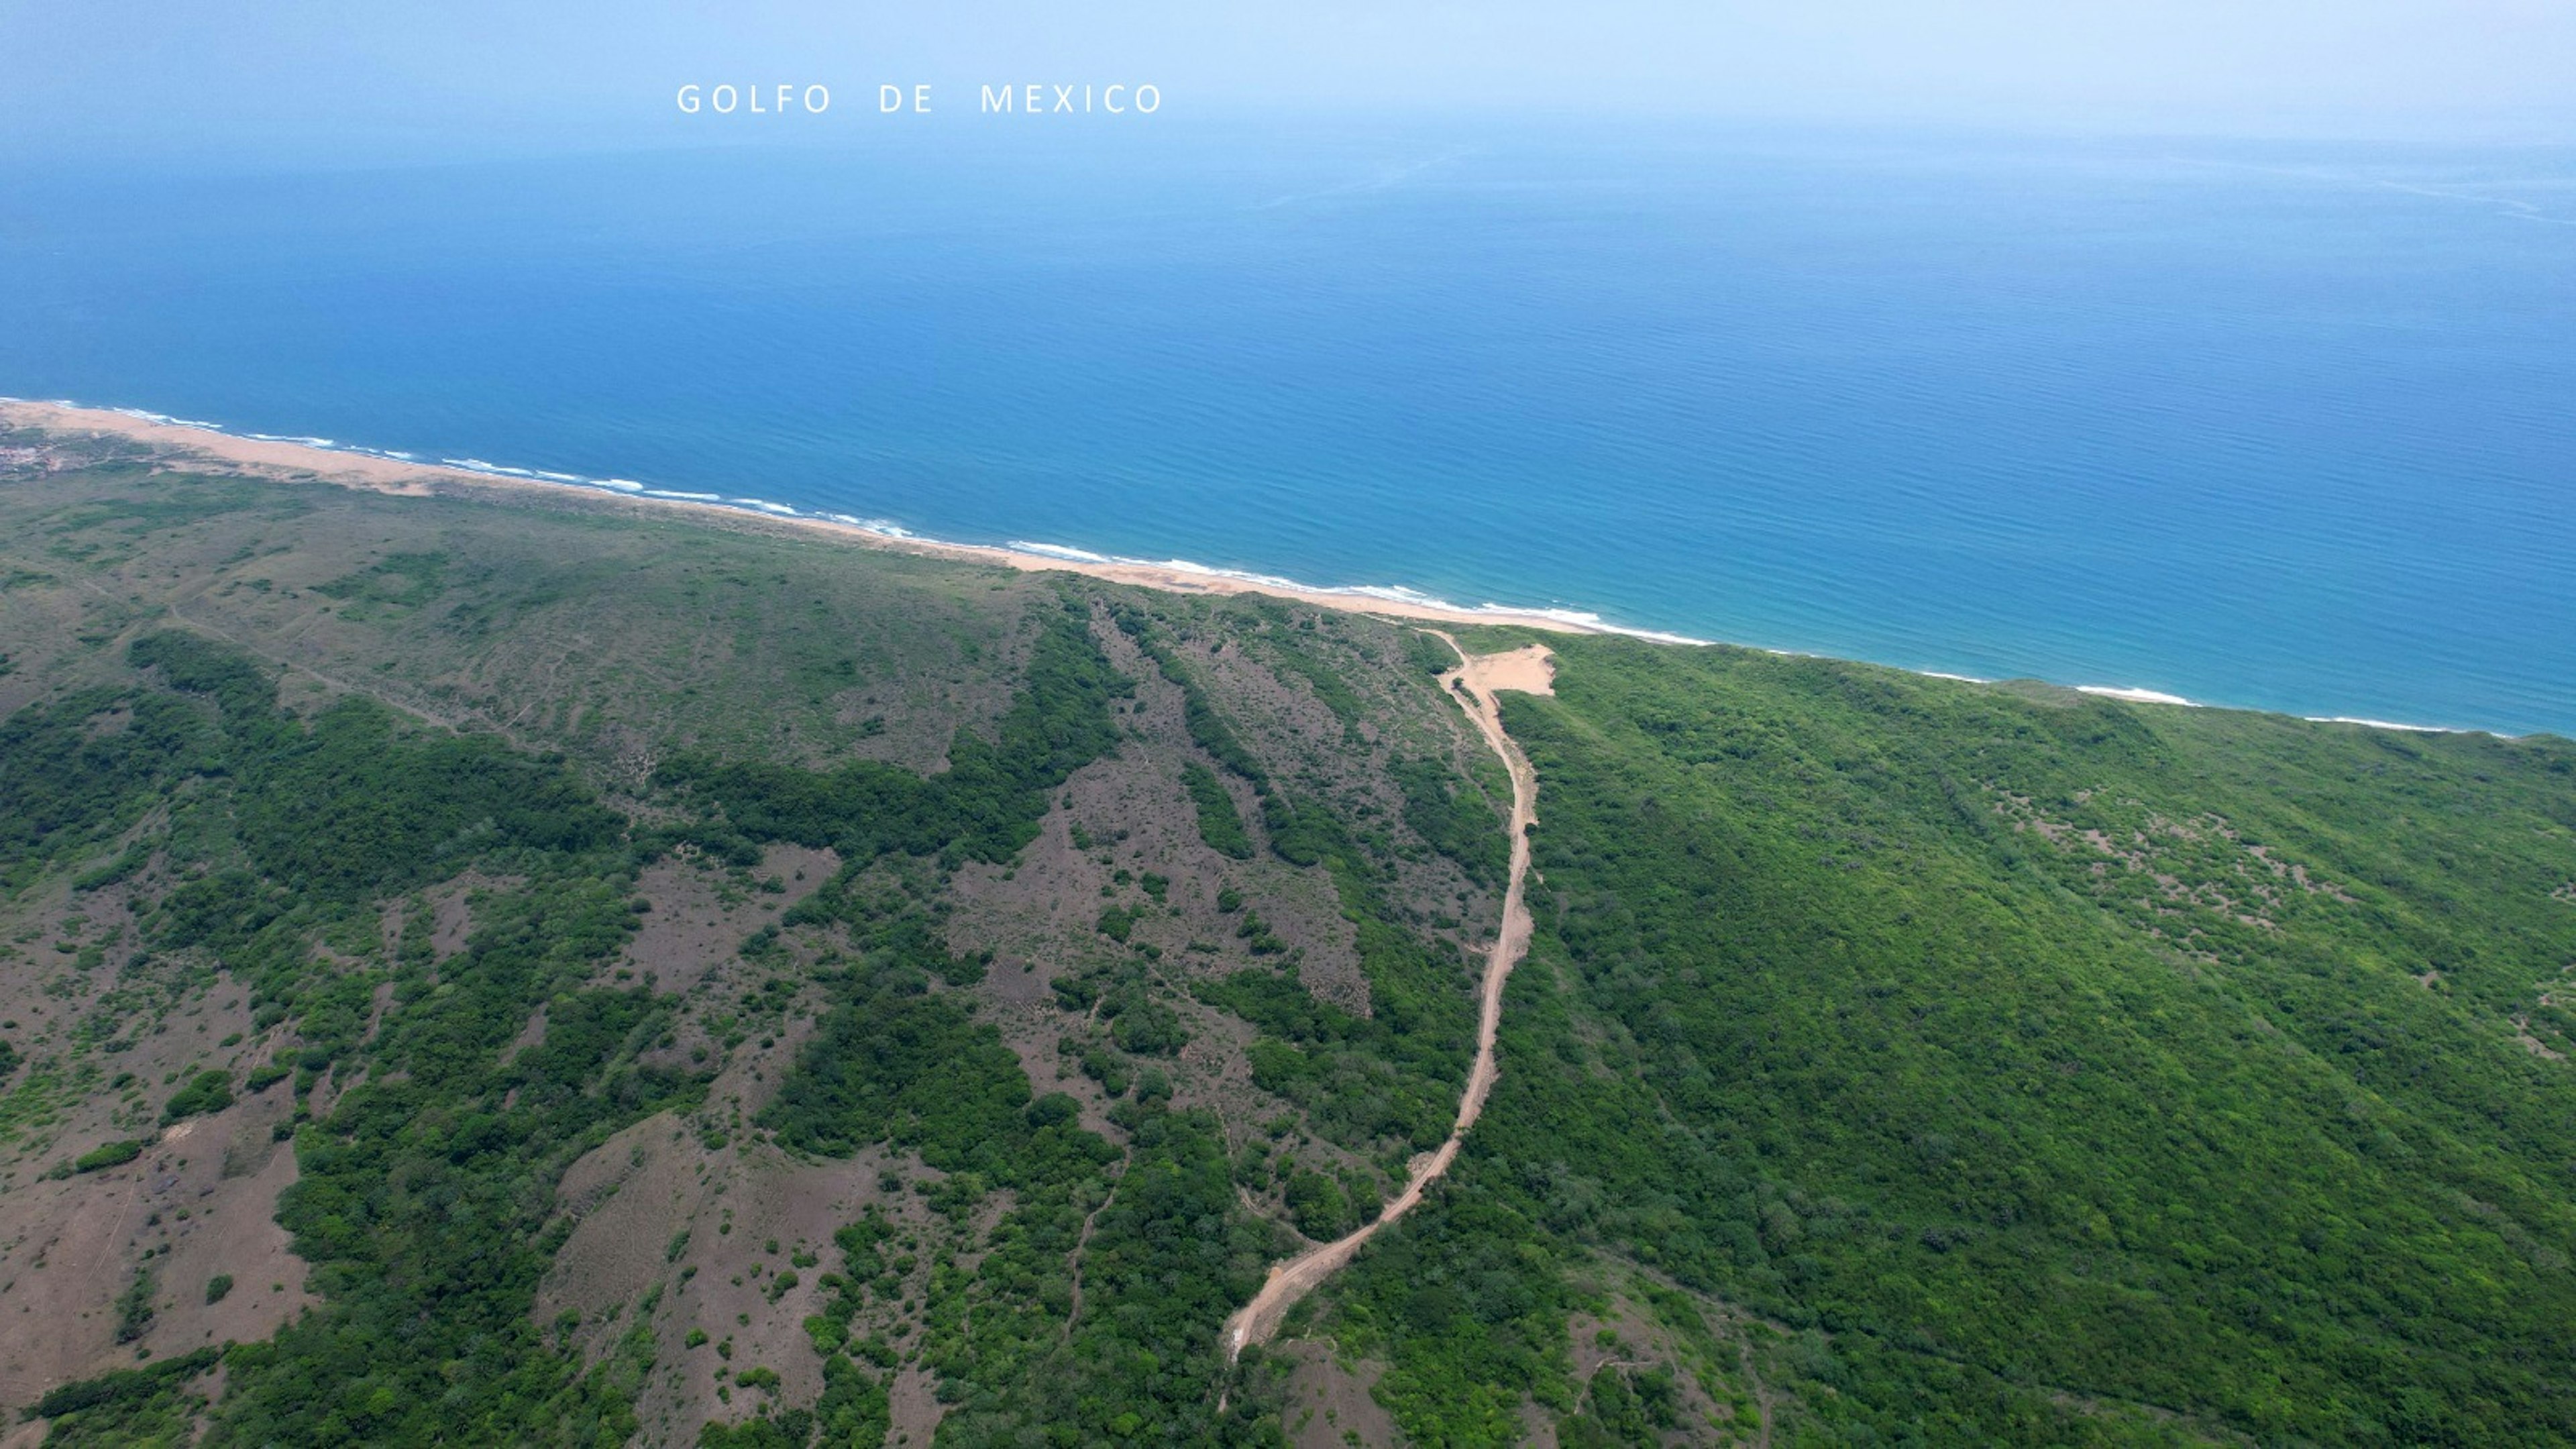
x=1594 y=622
x=1392 y=593
x=2384 y=724
x=1057 y=550
x=879 y=527
x=168 y=421
x=1389 y=593
x=2135 y=696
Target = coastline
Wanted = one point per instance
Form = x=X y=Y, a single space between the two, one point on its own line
x=323 y=460
x=326 y=460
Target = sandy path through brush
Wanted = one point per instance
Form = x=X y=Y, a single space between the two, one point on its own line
x=1478 y=676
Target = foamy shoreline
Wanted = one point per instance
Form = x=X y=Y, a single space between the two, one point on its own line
x=353 y=465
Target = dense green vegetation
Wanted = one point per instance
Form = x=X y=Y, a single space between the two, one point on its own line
x=1361 y=1080
x=344 y=807
x=1167 y=1251
x=111 y=1154
x=208 y=1091
x=86 y=766
x=985 y=806
x=906 y=1067
x=126 y=1407
x=2036 y=1059
x=1220 y=824
x=1454 y=817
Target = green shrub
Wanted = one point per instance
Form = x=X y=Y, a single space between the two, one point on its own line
x=134 y=1307
x=1116 y=921
x=1322 y=1211
x=208 y=1091
x=122 y=1385
x=113 y=1154
x=1220 y=824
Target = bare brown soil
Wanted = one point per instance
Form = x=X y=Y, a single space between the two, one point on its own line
x=699 y=919
x=200 y=1201
x=1331 y=1405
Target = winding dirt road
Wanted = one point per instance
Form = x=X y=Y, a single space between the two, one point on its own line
x=1473 y=683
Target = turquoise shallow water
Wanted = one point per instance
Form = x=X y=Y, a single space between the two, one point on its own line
x=2269 y=426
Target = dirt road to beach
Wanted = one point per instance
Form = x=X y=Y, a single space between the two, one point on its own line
x=1473 y=684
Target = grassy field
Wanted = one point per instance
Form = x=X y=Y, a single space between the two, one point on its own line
x=576 y=973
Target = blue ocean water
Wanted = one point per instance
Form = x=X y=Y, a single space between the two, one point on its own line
x=2277 y=426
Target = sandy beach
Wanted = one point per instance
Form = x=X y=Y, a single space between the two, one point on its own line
x=178 y=443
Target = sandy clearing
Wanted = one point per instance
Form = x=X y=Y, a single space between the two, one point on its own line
x=299 y=462
x=1474 y=682
x=1529 y=669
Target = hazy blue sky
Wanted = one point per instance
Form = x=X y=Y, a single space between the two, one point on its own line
x=208 y=77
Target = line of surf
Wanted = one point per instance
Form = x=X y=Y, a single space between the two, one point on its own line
x=1578 y=620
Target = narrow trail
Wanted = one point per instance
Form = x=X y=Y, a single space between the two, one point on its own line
x=1082 y=1244
x=1473 y=683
